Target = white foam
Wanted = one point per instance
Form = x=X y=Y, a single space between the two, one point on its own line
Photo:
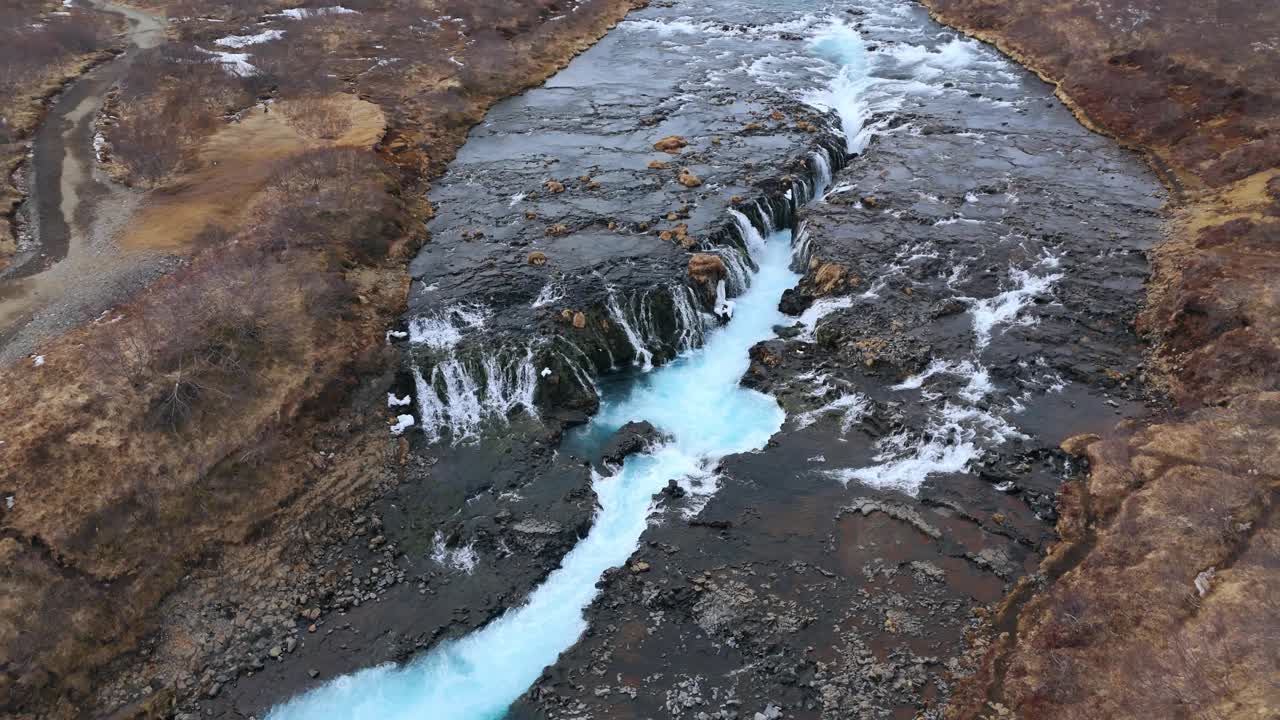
x=394 y=401
x=953 y=440
x=819 y=309
x=463 y=558
x=1006 y=307
x=851 y=408
x=551 y=292
x=446 y=330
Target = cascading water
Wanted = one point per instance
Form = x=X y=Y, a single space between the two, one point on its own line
x=847 y=93
x=644 y=356
x=697 y=401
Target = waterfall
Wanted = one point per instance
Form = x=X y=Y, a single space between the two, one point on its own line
x=458 y=390
x=821 y=165
x=801 y=248
x=697 y=400
x=847 y=94
x=461 y=394
x=689 y=321
x=750 y=235
x=739 y=274
x=643 y=356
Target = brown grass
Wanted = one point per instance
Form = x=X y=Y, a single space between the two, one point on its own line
x=162 y=409
x=234 y=164
x=182 y=433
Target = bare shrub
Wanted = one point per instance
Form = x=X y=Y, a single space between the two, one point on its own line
x=202 y=336
x=171 y=98
x=334 y=199
x=325 y=118
x=34 y=51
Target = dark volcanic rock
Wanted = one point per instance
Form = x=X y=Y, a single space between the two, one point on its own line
x=966 y=303
x=630 y=438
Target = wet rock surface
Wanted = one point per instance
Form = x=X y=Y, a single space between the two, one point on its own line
x=487 y=507
x=430 y=560
x=615 y=180
x=969 y=291
x=631 y=438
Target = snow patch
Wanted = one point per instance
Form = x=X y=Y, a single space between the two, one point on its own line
x=403 y=422
x=239 y=41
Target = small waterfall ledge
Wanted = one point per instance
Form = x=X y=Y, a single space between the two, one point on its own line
x=464 y=378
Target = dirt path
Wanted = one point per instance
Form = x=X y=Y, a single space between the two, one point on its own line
x=75 y=269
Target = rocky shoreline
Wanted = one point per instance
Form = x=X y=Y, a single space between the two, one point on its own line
x=970 y=283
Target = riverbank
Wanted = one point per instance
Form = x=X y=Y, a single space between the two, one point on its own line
x=1142 y=617
x=232 y=417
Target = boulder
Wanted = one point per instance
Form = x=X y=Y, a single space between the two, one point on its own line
x=671 y=144
x=688 y=179
x=706 y=271
x=631 y=438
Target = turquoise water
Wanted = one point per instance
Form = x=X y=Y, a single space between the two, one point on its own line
x=697 y=401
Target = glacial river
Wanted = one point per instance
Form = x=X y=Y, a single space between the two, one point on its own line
x=696 y=400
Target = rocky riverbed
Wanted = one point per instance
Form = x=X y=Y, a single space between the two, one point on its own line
x=972 y=261
x=972 y=281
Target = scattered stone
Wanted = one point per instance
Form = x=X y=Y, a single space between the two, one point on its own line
x=688 y=179
x=554 y=186
x=537 y=258
x=671 y=144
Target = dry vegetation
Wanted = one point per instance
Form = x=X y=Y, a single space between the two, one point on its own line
x=146 y=450
x=43 y=45
x=179 y=429
x=1164 y=595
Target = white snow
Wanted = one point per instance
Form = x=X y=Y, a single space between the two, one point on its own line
x=239 y=41
x=403 y=422
x=300 y=13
